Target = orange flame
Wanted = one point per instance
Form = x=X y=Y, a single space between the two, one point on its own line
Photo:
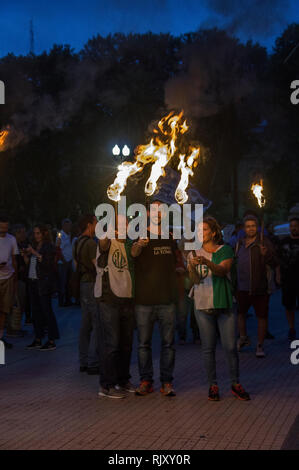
x=186 y=171
x=159 y=151
x=257 y=189
x=3 y=136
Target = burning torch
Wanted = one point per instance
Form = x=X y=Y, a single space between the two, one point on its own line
x=257 y=189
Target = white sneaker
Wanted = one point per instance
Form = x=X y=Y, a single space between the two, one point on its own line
x=260 y=351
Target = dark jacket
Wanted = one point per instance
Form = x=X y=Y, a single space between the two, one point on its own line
x=260 y=266
x=45 y=269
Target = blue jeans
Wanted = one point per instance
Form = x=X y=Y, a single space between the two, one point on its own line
x=116 y=339
x=64 y=274
x=207 y=322
x=88 y=337
x=146 y=315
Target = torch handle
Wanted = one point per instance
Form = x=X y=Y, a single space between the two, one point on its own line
x=116 y=214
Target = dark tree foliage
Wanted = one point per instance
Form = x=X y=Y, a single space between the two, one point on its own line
x=66 y=110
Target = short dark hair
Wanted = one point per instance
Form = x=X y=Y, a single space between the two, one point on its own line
x=85 y=220
x=4 y=218
x=296 y=219
x=250 y=212
x=251 y=218
x=17 y=227
x=65 y=221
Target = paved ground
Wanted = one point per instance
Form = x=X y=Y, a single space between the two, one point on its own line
x=47 y=404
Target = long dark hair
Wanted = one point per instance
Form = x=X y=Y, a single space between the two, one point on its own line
x=46 y=236
x=215 y=228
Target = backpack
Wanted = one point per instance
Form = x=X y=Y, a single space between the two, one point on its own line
x=76 y=275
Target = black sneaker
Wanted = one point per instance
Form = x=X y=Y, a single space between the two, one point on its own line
x=239 y=392
x=6 y=344
x=48 y=346
x=34 y=345
x=127 y=387
x=93 y=370
x=214 y=393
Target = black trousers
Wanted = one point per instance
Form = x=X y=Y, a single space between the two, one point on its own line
x=115 y=342
x=42 y=312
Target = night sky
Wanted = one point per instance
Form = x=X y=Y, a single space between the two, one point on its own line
x=74 y=22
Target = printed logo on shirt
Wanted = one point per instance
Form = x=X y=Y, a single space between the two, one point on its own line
x=203 y=271
x=162 y=250
x=119 y=260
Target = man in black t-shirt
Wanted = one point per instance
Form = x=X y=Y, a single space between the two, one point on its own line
x=289 y=254
x=155 y=285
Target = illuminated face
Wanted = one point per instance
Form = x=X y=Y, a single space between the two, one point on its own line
x=294 y=228
x=207 y=233
x=156 y=213
x=250 y=228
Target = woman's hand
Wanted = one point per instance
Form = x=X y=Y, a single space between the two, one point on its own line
x=203 y=260
x=194 y=261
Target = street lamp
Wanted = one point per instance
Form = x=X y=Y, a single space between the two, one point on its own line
x=125 y=152
x=116 y=150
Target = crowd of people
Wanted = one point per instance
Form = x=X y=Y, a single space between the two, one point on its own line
x=122 y=285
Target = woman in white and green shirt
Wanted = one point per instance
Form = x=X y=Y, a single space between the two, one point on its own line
x=209 y=269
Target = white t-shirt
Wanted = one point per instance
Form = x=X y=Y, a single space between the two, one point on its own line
x=32 y=268
x=8 y=247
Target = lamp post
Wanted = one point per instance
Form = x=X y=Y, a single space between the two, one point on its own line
x=125 y=152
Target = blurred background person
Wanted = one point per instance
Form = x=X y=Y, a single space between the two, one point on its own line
x=289 y=257
x=65 y=263
x=22 y=302
x=41 y=259
x=75 y=233
x=8 y=274
x=254 y=259
x=85 y=250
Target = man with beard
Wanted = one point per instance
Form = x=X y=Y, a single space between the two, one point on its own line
x=155 y=286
